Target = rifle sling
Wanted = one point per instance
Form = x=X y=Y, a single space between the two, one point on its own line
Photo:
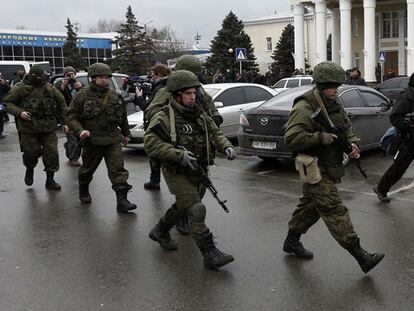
x=173 y=132
x=320 y=103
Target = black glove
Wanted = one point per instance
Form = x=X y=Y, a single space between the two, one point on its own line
x=188 y=159
x=230 y=153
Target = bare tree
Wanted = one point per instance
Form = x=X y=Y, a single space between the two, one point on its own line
x=166 y=44
x=104 y=25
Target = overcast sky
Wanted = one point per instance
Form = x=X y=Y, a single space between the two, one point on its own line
x=183 y=16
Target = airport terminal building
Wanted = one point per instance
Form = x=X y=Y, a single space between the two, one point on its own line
x=28 y=45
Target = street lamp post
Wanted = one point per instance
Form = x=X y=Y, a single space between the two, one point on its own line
x=230 y=50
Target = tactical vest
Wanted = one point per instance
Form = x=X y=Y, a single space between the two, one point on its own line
x=192 y=135
x=331 y=156
x=101 y=116
x=41 y=103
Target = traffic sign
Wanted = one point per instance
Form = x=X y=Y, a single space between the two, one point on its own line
x=382 y=56
x=241 y=54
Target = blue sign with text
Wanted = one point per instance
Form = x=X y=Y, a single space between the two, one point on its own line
x=52 y=41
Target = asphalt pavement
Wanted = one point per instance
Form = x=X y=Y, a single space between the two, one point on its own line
x=56 y=254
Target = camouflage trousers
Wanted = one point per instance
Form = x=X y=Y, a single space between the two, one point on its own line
x=188 y=195
x=92 y=156
x=42 y=145
x=322 y=200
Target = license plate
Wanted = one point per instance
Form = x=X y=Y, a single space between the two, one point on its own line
x=271 y=145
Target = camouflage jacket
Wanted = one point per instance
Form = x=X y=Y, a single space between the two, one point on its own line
x=100 y=111
x=46 y=105
x=196 y=132
x=303 y=133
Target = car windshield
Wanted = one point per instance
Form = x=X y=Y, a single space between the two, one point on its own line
x=211 y=91
x=285 y=98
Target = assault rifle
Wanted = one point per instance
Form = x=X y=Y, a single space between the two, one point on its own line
x=206 y=181
x=198 y=170
x=340 y=132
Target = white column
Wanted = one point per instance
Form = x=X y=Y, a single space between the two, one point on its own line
x=402 y=70
x=335 y=35
x=410 y=37
x=320 y=34
x=345 y=7
x=369 y=40
x=299 y=21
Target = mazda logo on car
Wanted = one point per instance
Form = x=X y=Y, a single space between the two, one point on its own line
x=264 y=121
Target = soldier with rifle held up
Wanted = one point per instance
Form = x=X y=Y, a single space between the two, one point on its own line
x=183 y=136
x=319 y=152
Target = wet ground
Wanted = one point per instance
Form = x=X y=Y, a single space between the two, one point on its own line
x=56 y=254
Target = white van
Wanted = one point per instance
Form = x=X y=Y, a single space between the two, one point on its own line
x=10 y=68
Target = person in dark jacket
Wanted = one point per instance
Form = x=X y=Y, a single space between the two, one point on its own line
x=404 y=122
x=159 y=75
x=70 y=87
x=355 y=77
x=4 y=89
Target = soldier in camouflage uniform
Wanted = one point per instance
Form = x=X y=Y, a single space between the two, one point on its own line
x=98 y=117
x=38 y=108
x=179 y=134
x=320 y=199
x=162 y=98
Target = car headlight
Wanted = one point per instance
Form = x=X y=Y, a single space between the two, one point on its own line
x=243 y=120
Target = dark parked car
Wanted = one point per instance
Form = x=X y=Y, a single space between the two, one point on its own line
x=393 y=88
x=262 y=128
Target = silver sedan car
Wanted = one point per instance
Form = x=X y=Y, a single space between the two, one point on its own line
x=231 y=99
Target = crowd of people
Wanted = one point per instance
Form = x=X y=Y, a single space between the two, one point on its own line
x=181 y=139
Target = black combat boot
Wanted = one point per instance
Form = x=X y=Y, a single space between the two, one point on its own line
x=213 y=258
x=160 y=233
x=122 y=203
x=51 y=184
x=293 y=246
x=84 y=195
x=151 y=186
x=28 y=177
x=381 y=195
x=365 y=260
x=182 y=224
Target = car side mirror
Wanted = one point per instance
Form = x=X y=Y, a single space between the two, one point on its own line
x=386 y=106
x=218 y=104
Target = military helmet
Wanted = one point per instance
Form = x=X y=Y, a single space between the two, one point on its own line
x=99 y=69
x=180 y=80
x=37 y=71
x=188 y=62
x=329 y=73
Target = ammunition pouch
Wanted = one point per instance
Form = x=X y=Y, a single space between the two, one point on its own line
x=308 y=168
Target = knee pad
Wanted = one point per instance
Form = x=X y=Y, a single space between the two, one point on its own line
x=197 y=212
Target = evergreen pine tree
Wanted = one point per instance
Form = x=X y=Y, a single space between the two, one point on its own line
x=135 y=49
x=284 y=63
x=71 y=52
x=231 y=36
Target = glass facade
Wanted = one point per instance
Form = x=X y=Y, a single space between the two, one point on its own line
x=29 y=47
